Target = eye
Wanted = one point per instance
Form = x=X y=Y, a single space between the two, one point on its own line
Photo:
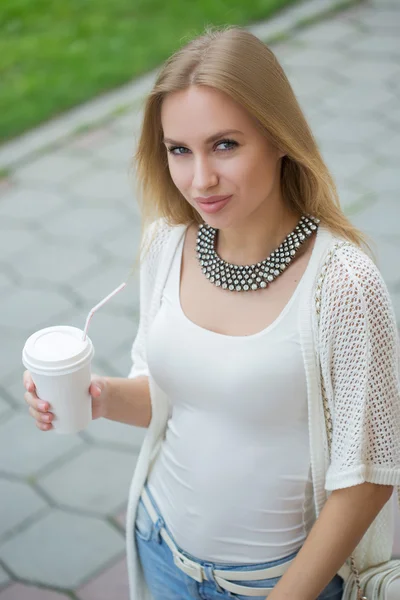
x=231 y=144
x=173 y=150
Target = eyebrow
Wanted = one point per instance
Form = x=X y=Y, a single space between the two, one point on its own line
x=210 y=139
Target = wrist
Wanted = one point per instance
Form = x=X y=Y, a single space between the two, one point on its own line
x=107 y=393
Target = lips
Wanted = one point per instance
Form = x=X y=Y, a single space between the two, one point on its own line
x=210 y=199
x=213 y=204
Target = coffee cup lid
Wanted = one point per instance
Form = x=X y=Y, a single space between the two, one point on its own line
x=56 y=348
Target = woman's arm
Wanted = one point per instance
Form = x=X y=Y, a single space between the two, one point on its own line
x=128 y=400
x=345 y=518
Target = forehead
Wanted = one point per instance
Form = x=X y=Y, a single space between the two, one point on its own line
x=200 y=111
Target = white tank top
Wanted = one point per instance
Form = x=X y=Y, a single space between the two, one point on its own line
x=232 y=478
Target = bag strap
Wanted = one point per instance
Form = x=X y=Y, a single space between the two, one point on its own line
x=327 y=412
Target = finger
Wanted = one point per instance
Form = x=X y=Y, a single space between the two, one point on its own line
x=41 y=417
x=28 y=381
x=44 y=426
x=32 y=400
x=95 y=390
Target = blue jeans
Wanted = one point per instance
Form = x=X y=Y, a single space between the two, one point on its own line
x=167 y=582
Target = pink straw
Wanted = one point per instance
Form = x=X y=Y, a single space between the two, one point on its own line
x=106 y=299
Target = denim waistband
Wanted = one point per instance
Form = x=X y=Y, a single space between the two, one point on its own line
x=222 y=573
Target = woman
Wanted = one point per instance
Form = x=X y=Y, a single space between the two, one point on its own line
x=257 y=302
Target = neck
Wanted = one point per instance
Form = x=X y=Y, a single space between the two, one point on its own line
x=252 y=241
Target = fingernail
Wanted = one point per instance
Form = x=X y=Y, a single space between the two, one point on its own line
x=98 y=388
x=42 y=405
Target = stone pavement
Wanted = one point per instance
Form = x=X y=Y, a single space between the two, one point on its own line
x=69 y=235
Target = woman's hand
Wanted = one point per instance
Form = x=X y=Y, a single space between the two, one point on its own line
x=40 y=409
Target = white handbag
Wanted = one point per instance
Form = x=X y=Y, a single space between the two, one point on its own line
x=381 y=582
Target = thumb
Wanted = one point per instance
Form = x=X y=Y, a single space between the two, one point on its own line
x=96 y=387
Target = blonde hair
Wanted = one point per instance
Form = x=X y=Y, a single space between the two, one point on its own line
x=234 y=61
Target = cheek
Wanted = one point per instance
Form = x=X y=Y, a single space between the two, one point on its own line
x=180 y=174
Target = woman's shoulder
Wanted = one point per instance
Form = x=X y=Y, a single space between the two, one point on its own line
x=351 y=280
x=156 y=238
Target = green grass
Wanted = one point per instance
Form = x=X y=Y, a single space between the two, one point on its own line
x=55 y=54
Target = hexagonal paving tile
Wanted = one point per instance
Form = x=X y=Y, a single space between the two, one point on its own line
x=62 y=550
x=32 y=309
x=18 y=501
x=4 y=578
x=112 y=584
x=104 y=430
x=85 y=222
x=5 y=407
x=18 y=591
x=27 y=203
x=24 y=449
x=102 y=282
x=52 y=168
x=55 y=262
x=97 y=480
x=105 y=184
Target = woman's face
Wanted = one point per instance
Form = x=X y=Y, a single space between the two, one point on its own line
x=215 y=149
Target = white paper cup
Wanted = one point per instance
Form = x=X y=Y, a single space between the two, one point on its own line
x=60 y=364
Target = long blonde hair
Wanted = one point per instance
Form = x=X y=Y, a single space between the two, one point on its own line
x=234 y=61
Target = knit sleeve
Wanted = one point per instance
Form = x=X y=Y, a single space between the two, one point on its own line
x=359 y=357
x=153 y=242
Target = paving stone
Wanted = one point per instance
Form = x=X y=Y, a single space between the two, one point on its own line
x=104 y=430
x=381 y=19
x=345 y=165
x=395 y=297
x=377 y=44
x=125 y=246
x=362 y=70
x=387 y=255
x=327 y=32
x=119 y=150
x=307 y=57
x=85 y=223
x=88 y=141
x=103 y=282
x=129 y=123
x=359 y=98
x=25 y=203
x=383 y=181
x=56 y=167
x=24 y=449
x=121 y=361
x=111 y=185
x=96 y=481
x=4 y=579
x=11 y=352
x=113 y=583
x=380 y=219
x=15 y=390
x=62 y=549
x=352 y=132
x=121 y=518
x=32 y=309
x=55 y=262
x=18 y=591
x=19 y=502
x=14 y=240
x=5 y=409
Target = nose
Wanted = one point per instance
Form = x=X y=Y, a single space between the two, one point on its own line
x=204 y=176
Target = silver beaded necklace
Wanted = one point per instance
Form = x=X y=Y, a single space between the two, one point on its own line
x=237 y=278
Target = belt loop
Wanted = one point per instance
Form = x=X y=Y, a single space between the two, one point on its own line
x=209 y=573
x=158 y=525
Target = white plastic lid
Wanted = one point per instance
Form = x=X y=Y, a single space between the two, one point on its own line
x=56 y=348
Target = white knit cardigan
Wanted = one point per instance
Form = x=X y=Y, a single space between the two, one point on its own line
x=350 y=347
